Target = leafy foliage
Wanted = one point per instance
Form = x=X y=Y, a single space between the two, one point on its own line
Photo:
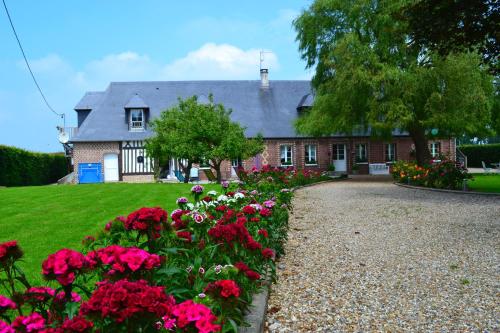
x=455 y=26
x=445 y=174
x=369 y=78
x=20 y=167
x=197 y=273
x=481 y=153
x=200 y=131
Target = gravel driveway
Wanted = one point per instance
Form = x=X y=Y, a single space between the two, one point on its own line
x=372 y=256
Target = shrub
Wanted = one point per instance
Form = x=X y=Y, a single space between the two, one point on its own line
x=20 y=167
x=446 y=174
x=478 y=153
x=143 y=273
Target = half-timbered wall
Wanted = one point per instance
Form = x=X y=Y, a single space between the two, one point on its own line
x=134 y=159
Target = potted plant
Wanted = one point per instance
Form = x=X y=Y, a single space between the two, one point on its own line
x=331 y=170
x=355 y=169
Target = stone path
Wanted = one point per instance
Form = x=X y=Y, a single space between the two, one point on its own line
x=372 y=256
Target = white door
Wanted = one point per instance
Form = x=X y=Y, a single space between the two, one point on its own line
x=235 y=164
x=111 y=168
x=339 y=157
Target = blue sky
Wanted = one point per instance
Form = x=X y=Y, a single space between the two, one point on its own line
x=78 y=46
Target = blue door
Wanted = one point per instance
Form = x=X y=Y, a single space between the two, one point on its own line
x=89 y=173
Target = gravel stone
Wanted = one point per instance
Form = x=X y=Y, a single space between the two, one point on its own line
x=372 y=256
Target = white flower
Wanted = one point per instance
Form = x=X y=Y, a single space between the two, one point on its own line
x=239 y=195
x=190 y=206
x=189 y=269
x=212 y=193
x=222 y=198
x=256 y=206
x=218 y=269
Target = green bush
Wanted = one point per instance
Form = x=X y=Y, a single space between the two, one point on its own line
x=19 y=167
x=478 y=153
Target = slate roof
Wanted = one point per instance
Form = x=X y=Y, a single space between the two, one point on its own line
x=90 y=100
x=269 y=111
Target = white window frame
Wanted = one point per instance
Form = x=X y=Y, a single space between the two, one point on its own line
x=286 y=153
x=311 y=150
x=390 y=152
x=136 y=126
x=361 y=148
x=435 y=149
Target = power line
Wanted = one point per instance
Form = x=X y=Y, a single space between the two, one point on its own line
x=27 y=63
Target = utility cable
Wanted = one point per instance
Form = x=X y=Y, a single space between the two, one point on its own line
x=27 y=63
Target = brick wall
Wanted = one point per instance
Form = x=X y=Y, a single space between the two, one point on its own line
x=92 y=152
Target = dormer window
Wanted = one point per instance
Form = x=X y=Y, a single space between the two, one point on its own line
x=136 y=120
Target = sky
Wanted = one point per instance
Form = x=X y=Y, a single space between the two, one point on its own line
x=82 y=45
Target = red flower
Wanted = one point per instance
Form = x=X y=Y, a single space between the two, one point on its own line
x=249 y=210
x=77 y=325
x=268 y=253
x=185 y=235
x=252 y=275
x=63 y=265
x=9 y=251
x=6 y=328
x=116 y=259
x=6 y=304
x=123 y=299
x=33 y=323
x=264 y=233
x=265 y=212
x=189 y=312
x=144 y=219
x=223 y=288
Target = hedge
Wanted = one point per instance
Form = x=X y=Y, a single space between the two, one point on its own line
x=19 y=167
x=477 y=153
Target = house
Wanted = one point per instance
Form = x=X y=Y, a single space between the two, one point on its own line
x=113 y=124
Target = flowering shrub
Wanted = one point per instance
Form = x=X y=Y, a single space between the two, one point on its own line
x=144 y=273
x=445 y=174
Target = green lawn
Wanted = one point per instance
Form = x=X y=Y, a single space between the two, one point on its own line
x=44 y=219
x=485 y=183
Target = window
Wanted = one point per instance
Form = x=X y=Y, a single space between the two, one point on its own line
x=435 y=149
x=390 y=152
x=136 y=120
x=361 y=153
x=339 y=152
x=286 y=155
x=310 y=155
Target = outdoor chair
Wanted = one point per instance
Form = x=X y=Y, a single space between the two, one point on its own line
x=486 y=170
x=179 y=176
x=194 y=175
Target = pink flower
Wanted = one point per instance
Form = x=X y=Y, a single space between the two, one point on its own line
x=6 y=328
x=6 y=303
x=32 y=323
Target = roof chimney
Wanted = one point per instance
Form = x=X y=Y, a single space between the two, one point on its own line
x=264 y=78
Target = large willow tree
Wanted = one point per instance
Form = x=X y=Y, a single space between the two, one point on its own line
x=371 y=76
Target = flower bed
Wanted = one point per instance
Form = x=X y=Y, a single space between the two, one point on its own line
x=193 y=270
x=445 y=174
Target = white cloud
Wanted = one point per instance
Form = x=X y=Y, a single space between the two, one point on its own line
x=222 y=61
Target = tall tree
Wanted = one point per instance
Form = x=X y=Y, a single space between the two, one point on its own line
x=196 y=132
x=448 y=26
x=369 y=78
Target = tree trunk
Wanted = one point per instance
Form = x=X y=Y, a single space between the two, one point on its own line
x=422 y=153
x=216 y=167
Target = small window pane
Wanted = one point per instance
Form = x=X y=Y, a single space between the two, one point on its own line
x=310 y=154
x=286 y=155
x=361 y=153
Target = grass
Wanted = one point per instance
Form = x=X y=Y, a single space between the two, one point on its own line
x=44 y=219
x=485 y=183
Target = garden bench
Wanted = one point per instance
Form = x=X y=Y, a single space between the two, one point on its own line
x=378 y=169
